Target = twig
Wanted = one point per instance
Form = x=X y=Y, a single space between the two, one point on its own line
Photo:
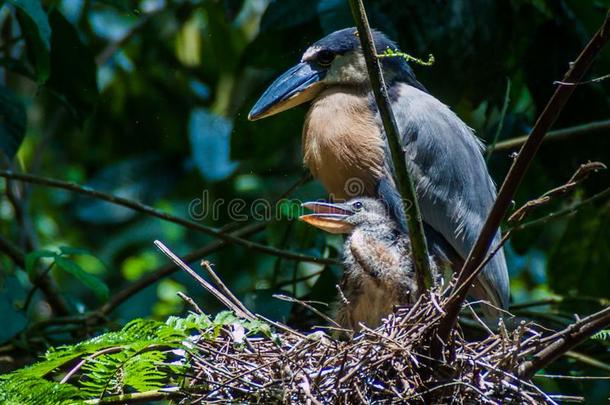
x=492 y=148
x=582 y=173
x=588 y=360
x=557 y=135
x=595 y=80
x=567 y=211
x=206 y=265
x=516 y=175
x=568 y=399
x=12 y=252
x=558 y=300
x=113 y=46
x=309 y=307
x=571 y=377
x=143 y=208
x=564 y=340
x=146 y=396
x=81 y=363
x=402 y=177
x=211 y=289
x=190 y=301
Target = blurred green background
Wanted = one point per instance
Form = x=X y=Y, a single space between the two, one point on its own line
x=148 y=100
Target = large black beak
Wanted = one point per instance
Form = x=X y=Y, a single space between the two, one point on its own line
x=299 y=84
x=328 y=217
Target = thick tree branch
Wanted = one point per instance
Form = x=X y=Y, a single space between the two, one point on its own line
x=565 y=340
x=594 y=127
x=403 y=179
x=143 y=208
x=514 y=178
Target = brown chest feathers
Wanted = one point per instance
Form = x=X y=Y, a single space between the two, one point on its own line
x=342 y=146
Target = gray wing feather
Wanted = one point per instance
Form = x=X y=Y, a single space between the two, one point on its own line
x=455 y=191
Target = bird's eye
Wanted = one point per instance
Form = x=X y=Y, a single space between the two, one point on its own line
x=325 y=58
x=357 y=206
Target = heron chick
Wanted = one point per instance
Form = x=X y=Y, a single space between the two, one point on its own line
x=379 y=272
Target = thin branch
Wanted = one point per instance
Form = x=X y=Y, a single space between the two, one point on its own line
x=191 y=302
x=588 y=360
x=402 y=177
x=81 y=363
x=306 y=305
x=143 y=208
x=595 y=80
x=555 y=300
x=492 y=148
x=515 y=176
x=114 y=46
x=42 y=281
x=565 y=340
x=204 y=283
x=581 y=175
x=557 y=135
x=571 y=377
x=138 y=397
x=12 y=252
x=567 y=211
x=228 y=293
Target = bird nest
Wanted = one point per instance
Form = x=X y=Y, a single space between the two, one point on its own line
x=391 y=363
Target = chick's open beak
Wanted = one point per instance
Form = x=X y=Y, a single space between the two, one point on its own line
x=329 y=217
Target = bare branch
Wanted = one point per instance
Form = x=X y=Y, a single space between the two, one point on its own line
x=143 y=208
x=557 y=135
x=204 y=283
x=403 y=179
x=516 y=175
x=565 y=340
x=581 y=175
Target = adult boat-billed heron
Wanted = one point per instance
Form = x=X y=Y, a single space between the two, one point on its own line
x=344 y=145
x=379 y=272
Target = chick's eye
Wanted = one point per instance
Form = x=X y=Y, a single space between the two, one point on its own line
x=325 y=58
x=357 y=206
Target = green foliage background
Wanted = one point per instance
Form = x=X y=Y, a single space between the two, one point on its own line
x=148 y=100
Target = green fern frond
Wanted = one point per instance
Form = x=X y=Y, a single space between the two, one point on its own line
x=144 y=355
x=20 y=389
x=144 y=372
x=602 y=335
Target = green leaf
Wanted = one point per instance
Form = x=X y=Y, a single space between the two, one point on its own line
x=37 y=31
x=12 y=122
x=99 y=288
x=69 y=250
x=32 y=257
x=73 y=69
